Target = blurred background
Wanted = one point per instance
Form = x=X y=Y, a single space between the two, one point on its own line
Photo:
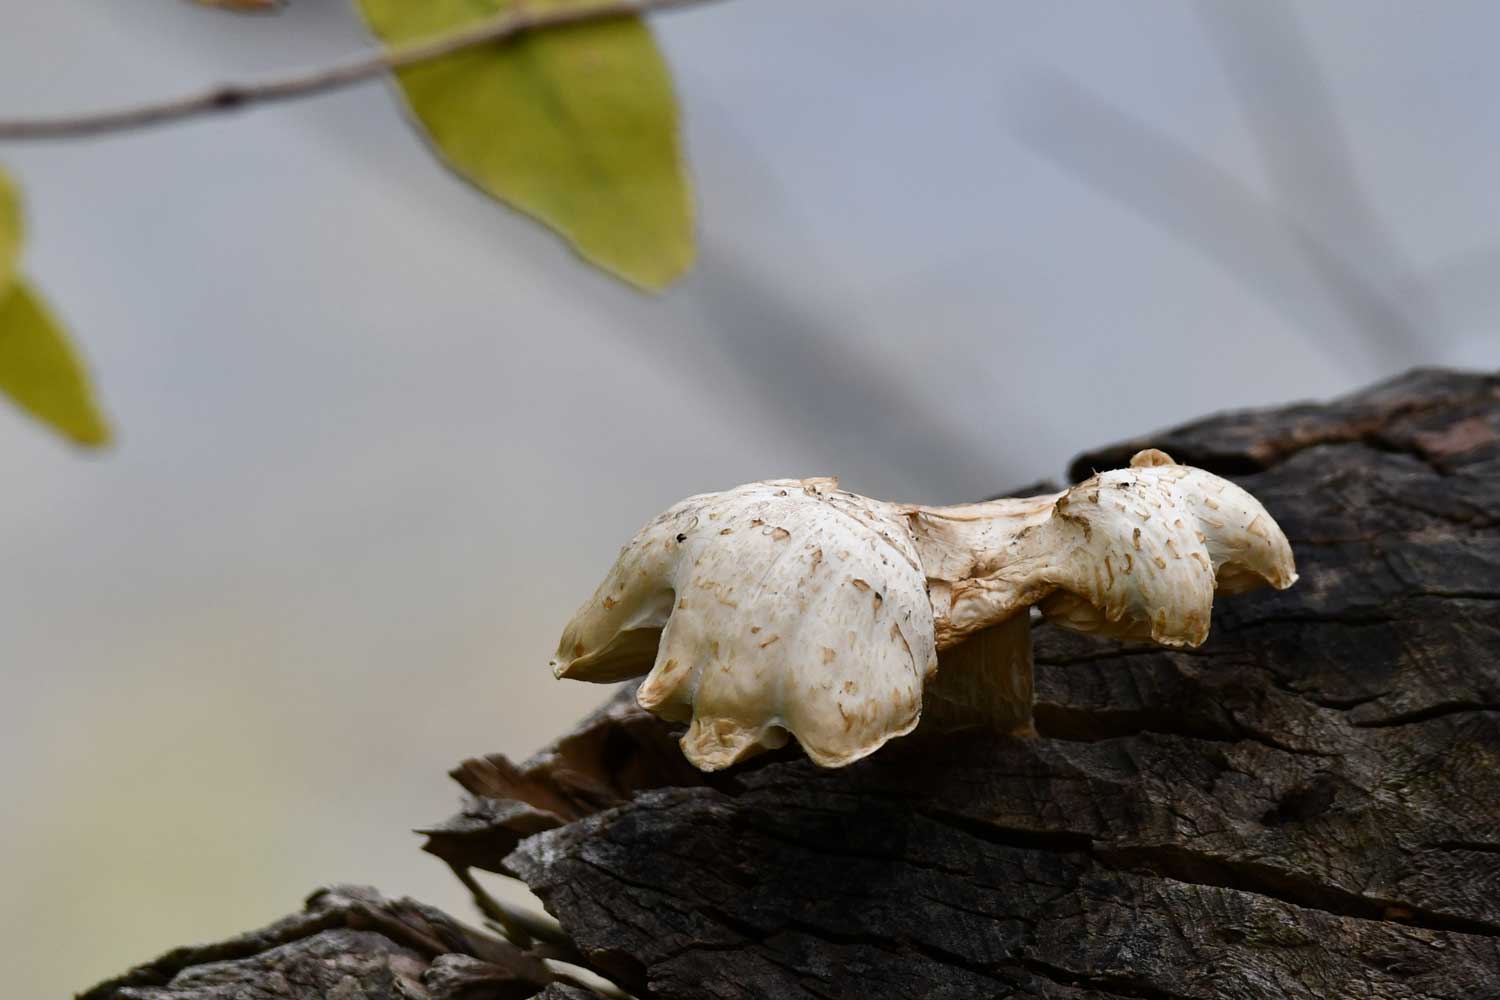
x=379 y=437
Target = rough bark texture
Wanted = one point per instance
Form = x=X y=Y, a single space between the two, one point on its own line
x=349 y=942
x=1306 y=806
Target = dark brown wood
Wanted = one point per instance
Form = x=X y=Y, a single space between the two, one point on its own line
x=348 y=942
x=1307 y=806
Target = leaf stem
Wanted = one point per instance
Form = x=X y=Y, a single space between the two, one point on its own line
x=306 y=83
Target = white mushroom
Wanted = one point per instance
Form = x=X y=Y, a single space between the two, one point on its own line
x=793 y=607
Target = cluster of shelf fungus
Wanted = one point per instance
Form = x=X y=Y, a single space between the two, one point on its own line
x=791 y=608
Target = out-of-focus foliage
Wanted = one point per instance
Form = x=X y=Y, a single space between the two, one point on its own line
x=10 y=230
x=576 y=126
x=42 y=373
x=39 y=370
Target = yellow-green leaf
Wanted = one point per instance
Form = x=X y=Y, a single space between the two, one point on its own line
x=42 y=373
x=10 y=230
x=576 y=126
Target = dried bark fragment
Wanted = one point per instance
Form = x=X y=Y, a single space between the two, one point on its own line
x=349 y=942
x=613 y=754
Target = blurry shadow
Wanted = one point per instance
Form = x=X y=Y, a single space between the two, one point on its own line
x=1275 y=75
x=1464 y=288
x=822 y=384
x=1291 y=267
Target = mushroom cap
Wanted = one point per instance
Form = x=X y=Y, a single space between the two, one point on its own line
x=779 y=607
x=1145 y=549
x=1135 y=553
x=792 y=607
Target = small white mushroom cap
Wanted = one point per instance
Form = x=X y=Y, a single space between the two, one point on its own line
x=795 y=607
x=1158 y=541
x=1135 y=553
x=780 y=606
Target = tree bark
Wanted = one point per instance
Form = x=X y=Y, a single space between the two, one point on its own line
x=1306 y=806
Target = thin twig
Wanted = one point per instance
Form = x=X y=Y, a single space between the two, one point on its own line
x=367 y=66
x=512 y=928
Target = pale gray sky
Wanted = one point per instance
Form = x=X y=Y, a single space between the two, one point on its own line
x=378 y=437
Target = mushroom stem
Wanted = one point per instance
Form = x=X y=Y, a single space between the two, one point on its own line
x=981 y=561
x=984 y=683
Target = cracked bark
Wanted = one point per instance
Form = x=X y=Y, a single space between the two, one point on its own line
x=1306 y=806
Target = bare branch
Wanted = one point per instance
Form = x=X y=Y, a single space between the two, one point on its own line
x=367 y=66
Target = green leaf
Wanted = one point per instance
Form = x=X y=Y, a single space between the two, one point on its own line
x=576 y=126
x=10 y=230
x=41 y=372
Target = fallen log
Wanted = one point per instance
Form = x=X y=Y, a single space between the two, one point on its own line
x=1308 y=805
